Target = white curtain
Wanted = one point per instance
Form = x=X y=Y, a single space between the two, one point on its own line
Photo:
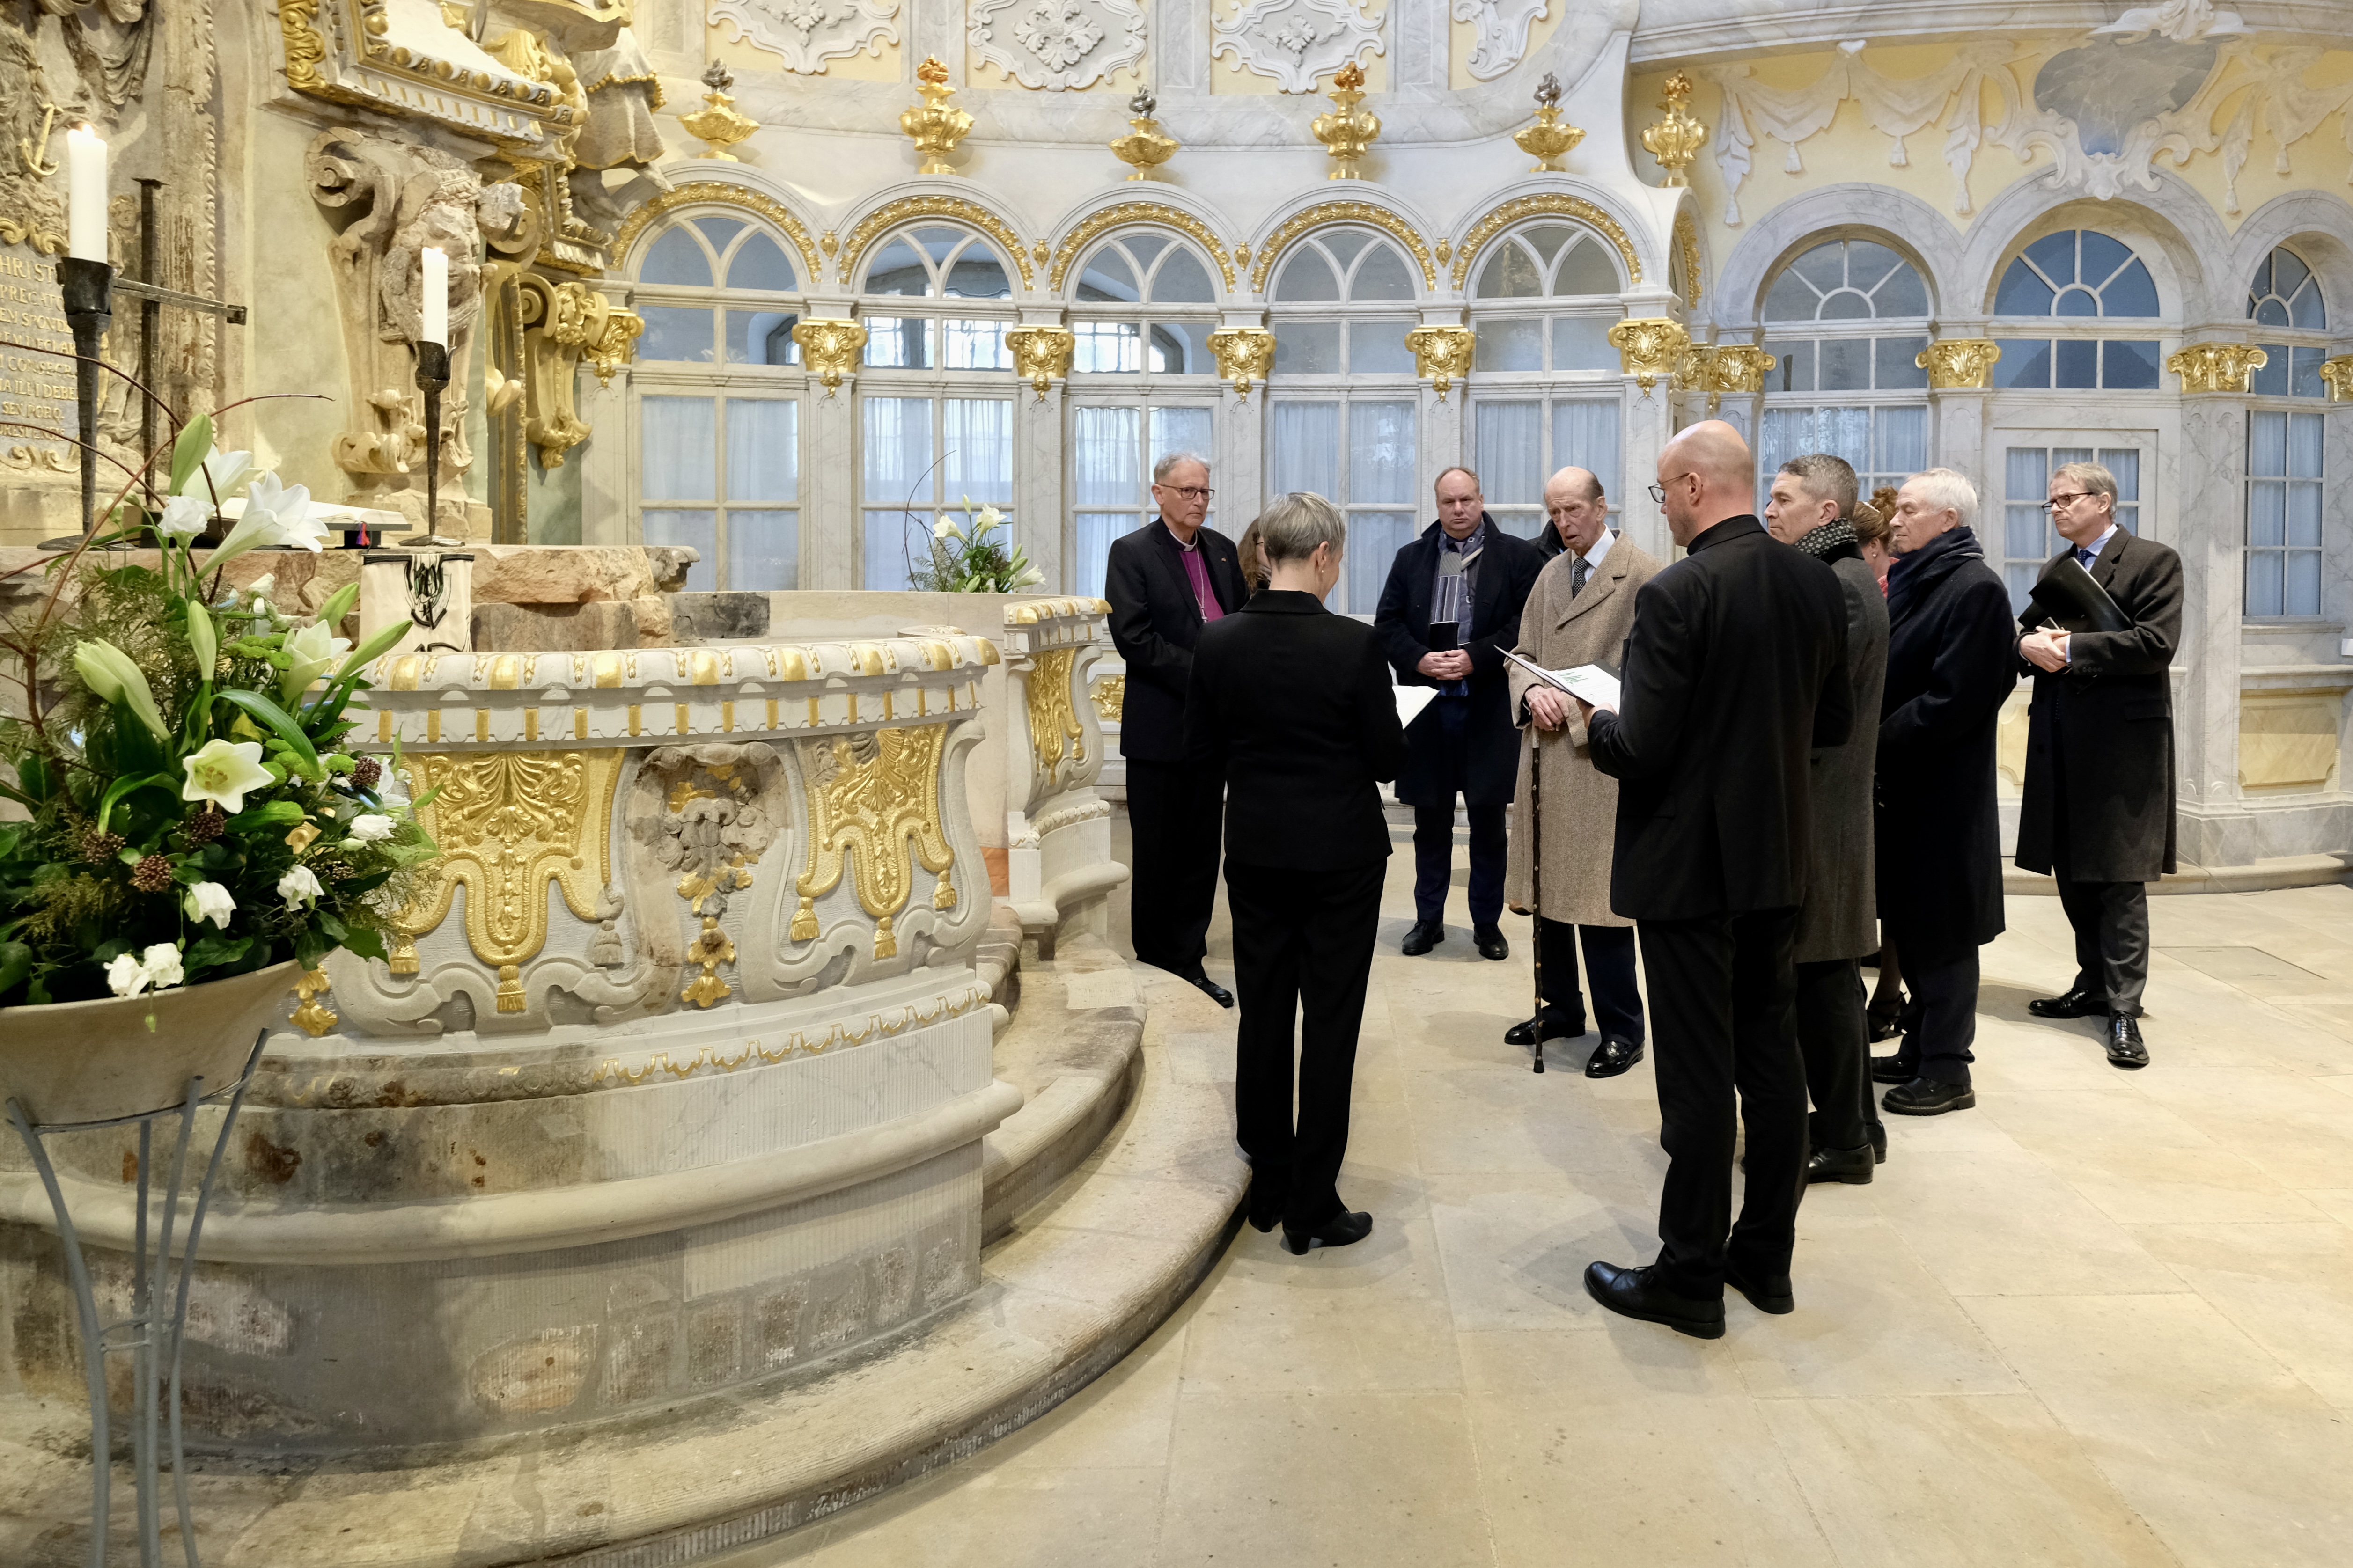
x=1306 y=448
x=1381 y=455
x=1585 y=434
x=763 y=449
x=1104 y=447
x=976 y=434
x=1510 y=456
x=678 y=448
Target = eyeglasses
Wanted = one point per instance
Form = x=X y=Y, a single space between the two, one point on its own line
x=1659 y=492
x=2056 y=502
x=1190 y=492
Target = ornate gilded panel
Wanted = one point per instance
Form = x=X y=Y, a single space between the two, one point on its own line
x=874 y=803
x=1054 y=728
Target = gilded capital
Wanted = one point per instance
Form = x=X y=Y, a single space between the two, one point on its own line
x=830 y=349
x=1649 y=348
x=2338 y=373
x=1954 y=363
x=1735 y=367
x=1041 y=355
x=1244 y=355
x=2216 y=367
x=1440 y=354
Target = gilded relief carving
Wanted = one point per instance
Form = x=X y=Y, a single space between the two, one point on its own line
x=1521 y=208
x=1650 y=349
x=1954 y=363
x=714 y=824
x=1122 y=216
x=1440 y=356
x=906 y=209
x=1054 y=728
x=874 y=803
x=1316 y=217
x=1245 y=354
x=2216 y=367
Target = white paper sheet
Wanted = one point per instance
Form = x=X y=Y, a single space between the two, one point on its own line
x=1411 y=700
x=1589 y=681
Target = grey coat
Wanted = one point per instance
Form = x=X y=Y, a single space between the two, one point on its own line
x=1839 y=919
x=1579 y=808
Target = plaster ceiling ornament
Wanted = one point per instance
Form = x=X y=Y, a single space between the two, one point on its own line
x=2181 y=21
x=1501 y=41
x=1058 y=45
x=1296 y=42
x=809 y=32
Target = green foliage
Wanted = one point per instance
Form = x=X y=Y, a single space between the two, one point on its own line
x=968 y=558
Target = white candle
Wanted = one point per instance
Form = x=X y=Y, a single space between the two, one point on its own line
x=85 y=185
x=437 y=295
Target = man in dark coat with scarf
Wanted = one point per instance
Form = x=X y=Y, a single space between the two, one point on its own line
x=1468 y=579
x=1951 y=662
x=2099 y=810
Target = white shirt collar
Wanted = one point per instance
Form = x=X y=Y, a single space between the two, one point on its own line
x=2101 y=543
x=1181 y=544
x=1601 y=551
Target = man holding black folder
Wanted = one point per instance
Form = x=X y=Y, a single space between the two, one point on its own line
x=2098 y=636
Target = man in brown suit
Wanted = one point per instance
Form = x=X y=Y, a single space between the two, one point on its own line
x=1579 y=613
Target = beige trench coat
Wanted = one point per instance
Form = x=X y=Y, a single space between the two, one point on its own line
x=1579 y=808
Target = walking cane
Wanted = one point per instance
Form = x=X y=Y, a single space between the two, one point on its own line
x=1535 y=876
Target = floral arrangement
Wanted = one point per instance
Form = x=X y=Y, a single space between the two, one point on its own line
x=964 y=559
x=186 y=813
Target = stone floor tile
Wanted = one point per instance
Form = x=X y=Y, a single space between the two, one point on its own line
x=2289 y=1288
x=1515 y=1248
x=2134 y=1183
x=2003 y=1223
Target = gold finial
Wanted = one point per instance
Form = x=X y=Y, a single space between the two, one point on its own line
x=1347 y=134
x=718 y=124
x=1675 y=141
x=933 y=126
x=1143 y=147
x=1548 y=140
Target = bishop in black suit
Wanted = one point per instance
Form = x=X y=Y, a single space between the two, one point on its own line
x=1166 y=582
x=2099 y=810
x=1734 y=673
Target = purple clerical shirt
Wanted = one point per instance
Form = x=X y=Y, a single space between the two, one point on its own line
x=1197 y=572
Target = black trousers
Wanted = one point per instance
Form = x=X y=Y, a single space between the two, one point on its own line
x=1943 y=1022
x=1302 y=946
x=1723 y=1021
x=1834 y=1038
x=1609 y=969
x=2111 y=921
x=1433 y=825
x=1175 y=814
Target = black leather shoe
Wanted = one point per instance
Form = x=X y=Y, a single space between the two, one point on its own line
x=2076 y=1003
x=1771 y=1295
x=1491 y=945
x=1344 y=1229
x=1630 y=1293
x=2124 y=1048
x=1852 y=1166
x=1425 y=935
x=1265 y=1207
x=1883 y=1023
x=1890 y=1069
x=1614 y=1057
x=1213 y=990
x=1929 y=1097
x=1554 y=1029
x=1879 y=1142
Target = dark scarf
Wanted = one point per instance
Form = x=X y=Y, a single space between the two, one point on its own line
x=1831 y=541
x=1913 y=576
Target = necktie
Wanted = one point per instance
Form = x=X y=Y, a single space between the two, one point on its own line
x=1577 y=574
x=2084 y=557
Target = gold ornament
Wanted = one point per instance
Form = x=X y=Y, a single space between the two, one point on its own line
x=1649 y=348
x=311 y=1018
x=1109 y=692
x=1371 y=214
x=1347 y=134
x=1520 y=208
x=1686 y=244
x=830 y=349
x=874 y=800
x=891 y=215
x=705 y=192
x=1143 y=147
x=933 y=126
x=2338 y=373
x=1675 y=141
x=2216 y=367
x=1548 y=140
x=1734 y=368
x=616 y=345
x=1041 y=354
x=1244 y=356
x=1441 y=353
x=1955 y=363
x=718 y=124
x=507 y=822
x=1125 y=214
x=1053 y=717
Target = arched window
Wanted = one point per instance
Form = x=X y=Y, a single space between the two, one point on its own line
x=1144 y=384
x=1548 y=387
x=2078 y=275
x=1343 y=397
x=718 y=467
x=2284 y=440
x=935 y=406
x=1846 y=319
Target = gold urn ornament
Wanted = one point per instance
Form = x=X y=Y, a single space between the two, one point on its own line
x=1347 y=132
x=934 y=127
x=1675 y=141
x=1548 y=140
x=717 y=123
x=1143 y=147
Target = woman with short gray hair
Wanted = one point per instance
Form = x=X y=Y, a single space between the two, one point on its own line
x=1293 y=705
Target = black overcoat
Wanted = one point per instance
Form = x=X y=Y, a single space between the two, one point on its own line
x=1837 y=921
x=1951 y=662
x=1155 y=622
x=1507 y=571
x=2105 y=726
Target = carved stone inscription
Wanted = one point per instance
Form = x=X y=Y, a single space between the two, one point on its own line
x=37 y=390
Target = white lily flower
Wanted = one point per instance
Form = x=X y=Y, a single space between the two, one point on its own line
x=210 y=901
x=371 y=827
x=314 y=650
x=946 y=527
x=125 y=976
x=990 y=518
x=223 y=771
x=162 y=963
x=185 y=516
x=298 y=887
x=219 y=475
x=115 y=676
x=275 y=513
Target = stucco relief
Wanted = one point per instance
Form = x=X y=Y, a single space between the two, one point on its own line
x=1058 y=44
x=1503 y=31
x=809 y=32
x=1297 y=41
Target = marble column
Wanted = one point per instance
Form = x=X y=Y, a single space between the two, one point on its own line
x=1039 y=516
x=1240 y=472
x=608 y=500
x=1960 y=424
x=833 y=536
x=2215 y=827
x=1650 y=424
x=1179 y=62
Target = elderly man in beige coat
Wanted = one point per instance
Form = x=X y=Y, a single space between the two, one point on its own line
x=1579 y=612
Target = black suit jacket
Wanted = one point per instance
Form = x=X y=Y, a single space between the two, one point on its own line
x=1952 y=661
x=1155 y=622
x=2105 y=726
x=1507 y=571
x=1734 y=671
x=1290 y=704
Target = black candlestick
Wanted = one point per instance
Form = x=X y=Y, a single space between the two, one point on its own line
x=432 y=375
x=89 y=290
